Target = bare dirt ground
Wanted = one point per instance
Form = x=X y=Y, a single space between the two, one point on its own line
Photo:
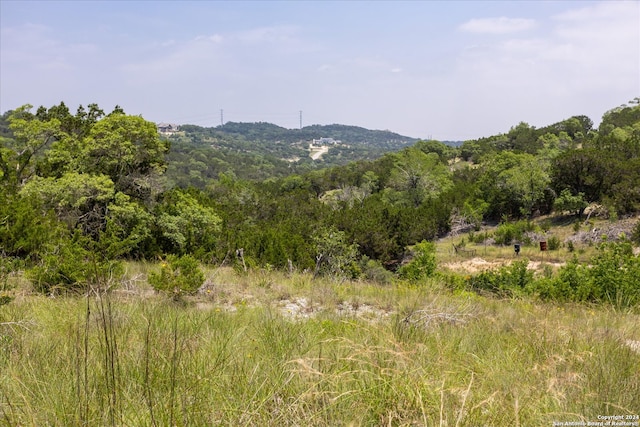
x=316 y=153
x=478 y=264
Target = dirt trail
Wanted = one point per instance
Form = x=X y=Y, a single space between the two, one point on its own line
x=317 y=153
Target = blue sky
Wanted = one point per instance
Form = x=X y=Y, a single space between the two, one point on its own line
x=450 y=70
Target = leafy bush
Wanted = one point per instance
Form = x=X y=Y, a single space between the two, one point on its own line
x=334 y=255
x=423 y=264
x=615 y=274
x=508 y=232
x=67 y=265
x=569 y=202
x=553 y=243
x=509 y=280
x=373 y=271
x=612 y=277
x=178 y=276
x=479 y=237
x=572 y=282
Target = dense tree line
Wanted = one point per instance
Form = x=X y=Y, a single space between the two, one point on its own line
x=109 y=185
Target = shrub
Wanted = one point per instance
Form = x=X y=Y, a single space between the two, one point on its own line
x=553 y=243
x=612 y=277
x=178 y=276
x=571 y=283
x=372 y=270
x=66 y=265
x=508 y=232
x=509 y=280
x=615 y=274
x=422 y=265
x=479 y=237
x=335 y=256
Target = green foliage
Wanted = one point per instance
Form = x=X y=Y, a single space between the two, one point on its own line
x=128 y=228
x=101 y=175
x=509 y=232
x=569 y=202
x=178 y=276
x=612 y=277
x=416 y=177
x=79 y=200
x=374 y=271
x=571 y=283
x=24 y=228
x=172 y=364
x=515 y=185
x=7 y=267
x=423 y=264
x=186 y=225
x=128 y=150
x=444 y=152
x=479 y=237
x=553 y=243
x=67 y=265
x=32 y=137
x=615 y=275
x=335 y=256
x=622 y=116
x=260 y=151
x=511 y=280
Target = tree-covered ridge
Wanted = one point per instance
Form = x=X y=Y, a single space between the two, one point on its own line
x=108 y=184
x=258 y=151
x=348 y=134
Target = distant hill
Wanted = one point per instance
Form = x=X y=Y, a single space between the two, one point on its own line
x=262 y=150
x=350 y=135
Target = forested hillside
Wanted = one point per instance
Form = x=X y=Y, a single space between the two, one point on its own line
x=257 y=151
x=108 y=187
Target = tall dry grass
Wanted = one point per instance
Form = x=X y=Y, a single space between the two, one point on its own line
x=354 y=354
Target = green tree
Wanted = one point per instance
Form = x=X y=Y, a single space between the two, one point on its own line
x=129 y=150
x=515 y=184
x=128 y=228
x=77 y=199
x=569 y=202
x=585 y=171
x=416 y=176
x=185 y=224
x=32 y=138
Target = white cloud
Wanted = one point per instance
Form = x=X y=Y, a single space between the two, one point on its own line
x=500 y=25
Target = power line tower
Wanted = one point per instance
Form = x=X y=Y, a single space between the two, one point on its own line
x=221 y=117
x=300 y=119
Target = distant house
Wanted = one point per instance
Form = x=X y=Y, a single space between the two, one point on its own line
x=167 y=128
x=325 y=141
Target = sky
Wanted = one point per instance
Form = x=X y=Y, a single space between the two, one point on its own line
x=447 y=70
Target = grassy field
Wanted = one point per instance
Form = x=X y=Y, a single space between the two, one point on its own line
x=265 y=348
